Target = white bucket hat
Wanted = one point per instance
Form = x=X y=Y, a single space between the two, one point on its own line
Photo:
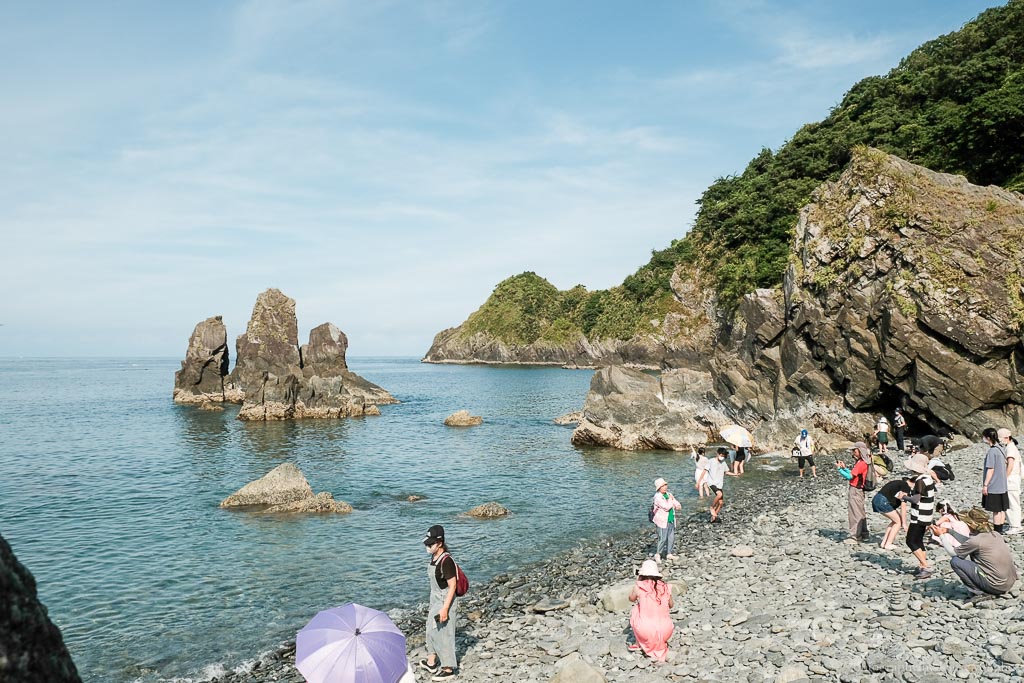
x=658 y=483
x=649 y=568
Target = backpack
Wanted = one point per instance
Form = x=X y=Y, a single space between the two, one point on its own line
x=888 y=461
x=461 y=581
x=870 y=479
x=650 y=513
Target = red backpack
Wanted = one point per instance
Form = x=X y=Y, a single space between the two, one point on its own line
x=461 y=582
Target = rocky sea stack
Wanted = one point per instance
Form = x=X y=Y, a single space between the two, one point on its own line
x=903 y=289
x=202 y=374
x=274 y=378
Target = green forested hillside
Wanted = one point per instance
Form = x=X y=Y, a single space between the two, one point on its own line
x=955 y=104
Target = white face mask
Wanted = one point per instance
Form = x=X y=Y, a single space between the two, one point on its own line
x=721 y=458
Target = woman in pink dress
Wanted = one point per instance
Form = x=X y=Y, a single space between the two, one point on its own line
x=652 y=625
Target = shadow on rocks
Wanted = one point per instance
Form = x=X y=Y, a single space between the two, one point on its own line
x=894 y=564
x=835 y=535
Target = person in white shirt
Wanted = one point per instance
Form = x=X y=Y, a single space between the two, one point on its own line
x=805 y=446
x=882 y=434
x=1013 y=478
x=715 y=471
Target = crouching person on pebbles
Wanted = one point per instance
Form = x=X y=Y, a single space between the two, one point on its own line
x=652 y=625
x=442 y=576
x=665 y=506
x=982 y=560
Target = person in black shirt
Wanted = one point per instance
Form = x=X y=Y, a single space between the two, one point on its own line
x=890 y=502
x=900 y=427
x=442 y=576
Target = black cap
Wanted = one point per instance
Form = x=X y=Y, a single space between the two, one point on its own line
x=434 y=534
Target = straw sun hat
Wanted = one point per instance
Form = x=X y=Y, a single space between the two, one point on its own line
x=917 y=463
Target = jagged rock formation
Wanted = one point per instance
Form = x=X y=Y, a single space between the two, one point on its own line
x=575 y=417
x=284 y=489
x=31 y=646
x=280 y=381
x=904 y=289
x=202 y=374
x=462 y=418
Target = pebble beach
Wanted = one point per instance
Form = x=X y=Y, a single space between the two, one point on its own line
x=772 y=594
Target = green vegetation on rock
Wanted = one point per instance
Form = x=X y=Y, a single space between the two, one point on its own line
x=955 y=105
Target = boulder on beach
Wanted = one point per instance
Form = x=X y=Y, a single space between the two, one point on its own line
x=462 y=418
x=321 y=502
x=202 y=375
x=282 y=381
x=574 y=669
x=742 y=551
x=31 y=646
x=616 y=598
x=489 y=510
x=282 y=485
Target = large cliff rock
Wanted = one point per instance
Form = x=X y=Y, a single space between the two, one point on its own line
x=31 y=646
x=202 y=374
x=282 y=381
x=904 y=289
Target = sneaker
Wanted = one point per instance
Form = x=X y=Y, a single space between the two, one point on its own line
x=430 y=669
x=633 y=647
x=657 y=558
x=444 y=675
x=923 y=573
x=716 y=520
x=670 y=556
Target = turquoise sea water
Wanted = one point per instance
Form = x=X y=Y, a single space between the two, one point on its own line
x=109 y=496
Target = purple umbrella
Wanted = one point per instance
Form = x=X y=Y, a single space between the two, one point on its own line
x=350 y=644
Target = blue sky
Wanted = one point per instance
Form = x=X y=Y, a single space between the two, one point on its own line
x=383 y=163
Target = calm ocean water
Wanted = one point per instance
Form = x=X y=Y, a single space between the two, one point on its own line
x=110 y=496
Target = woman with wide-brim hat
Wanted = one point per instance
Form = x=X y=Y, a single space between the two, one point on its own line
x=922 y=510
x=652 y=625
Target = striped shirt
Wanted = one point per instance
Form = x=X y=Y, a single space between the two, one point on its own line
x=922 y=511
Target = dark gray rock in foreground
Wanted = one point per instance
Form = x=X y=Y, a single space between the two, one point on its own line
x=31 y=646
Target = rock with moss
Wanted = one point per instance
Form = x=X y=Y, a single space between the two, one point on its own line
x=903 y=290
x=31 y=646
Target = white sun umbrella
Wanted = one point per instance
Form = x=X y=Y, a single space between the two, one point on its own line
x=737 y=436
